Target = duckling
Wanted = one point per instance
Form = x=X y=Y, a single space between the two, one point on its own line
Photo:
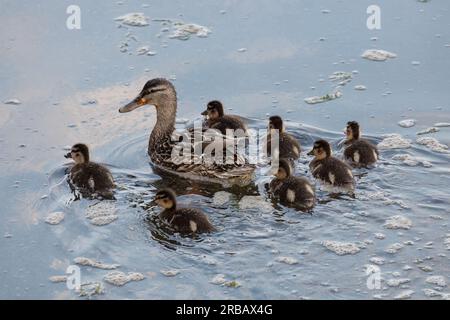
x=89 y=178
x=359 y=152
x=183 y=220
x=220 y=121
x=290 y=189
x=329 y=169
x=289 y=147
x=161 y=94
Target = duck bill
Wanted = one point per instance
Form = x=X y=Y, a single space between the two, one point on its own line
x=204 y=113
x=68 y=155
x=311 y=153
x=136 y=103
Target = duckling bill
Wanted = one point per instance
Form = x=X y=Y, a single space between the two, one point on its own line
x=358 y=152
x=183 y=220
x=329 y=169
x=292 y=190
x=89 y=178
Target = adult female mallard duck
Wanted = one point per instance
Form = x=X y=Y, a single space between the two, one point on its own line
x=183 y=220
x=328 y=169
x=89 y=178
x=288 y=146
x=292 y=190
x=358 y=152
x=161 y=94
x=217 y=119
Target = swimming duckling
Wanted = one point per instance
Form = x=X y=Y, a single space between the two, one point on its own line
x=329 y=169
x=359 y=152
x=162 y=94
x=217 y=119
x=289 y=147
x=89 y=178
x=290 y=189
x=183 y=220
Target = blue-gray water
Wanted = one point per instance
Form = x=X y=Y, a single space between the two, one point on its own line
x=291 y=48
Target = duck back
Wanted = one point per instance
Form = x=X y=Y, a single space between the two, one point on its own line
x=361 y=153
x=187 y=220
x=332 y=171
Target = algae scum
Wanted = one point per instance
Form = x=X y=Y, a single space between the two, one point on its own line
x=391 y=241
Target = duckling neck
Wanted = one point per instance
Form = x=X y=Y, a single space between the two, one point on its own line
x=165 y=123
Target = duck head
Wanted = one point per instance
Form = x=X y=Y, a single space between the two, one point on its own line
x=157 y=92
x=78 y=153
x=276 y=123
x=214 y=110
x=284 y=169
x=166 y=198
x=352 y=131
x=320 y=150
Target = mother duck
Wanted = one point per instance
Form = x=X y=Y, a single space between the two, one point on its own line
x=161 y=94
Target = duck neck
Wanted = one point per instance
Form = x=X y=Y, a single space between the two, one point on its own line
x=165 y=122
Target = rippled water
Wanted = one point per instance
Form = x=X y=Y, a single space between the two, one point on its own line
x=272 y=79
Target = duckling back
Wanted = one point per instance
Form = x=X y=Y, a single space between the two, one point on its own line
x=228 y=122
x=333 y=171
x=187 y=220
x=289 y=147
x=92 y=179
x=361 y=153
x=294 y=190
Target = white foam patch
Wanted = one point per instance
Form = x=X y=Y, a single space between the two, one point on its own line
x=394 y=141
x=119 y=278
x=12 y=101
x=56 y=279
x=406 y=294
x=54 y=218
x=183 y=31
x=408 y=123
x=377 y=260
x=287 y=260
x=398 y=222
x=341 y=248
x=135 y=19
x=170 y=273
x=397 y=282
x=93 y=263
x=439 y=281
x=221 y=198
x=427 y=131
x=411 y=161
x=102 y=213
x=255 y=202
x=378 y=55
x=442 y=124
x=325 y=98
x=394 y=248
x=433 y=144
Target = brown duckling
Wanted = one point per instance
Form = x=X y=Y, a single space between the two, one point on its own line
x=89 y=178
x=358 y=152
x=183 y=220
x=329 y=169
x=217 y=119
x=289 y=147
x=292 y=190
